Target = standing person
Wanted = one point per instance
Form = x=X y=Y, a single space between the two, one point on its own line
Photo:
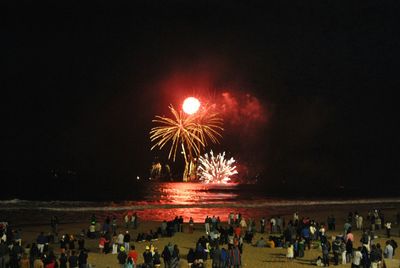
x=63 y=260
x=148 y=258
x=325 y=252
x=15 y=254
x=290 y=251
x=133 y=254
x=262 y=225
x=272 y=223
x=394 y=245
x=357 y=256
x=167 y=255
x=102 y=243
x=122 y=257
x=346 y=227
x=126 y=220
x=54 y=224
x=73 y=260
x=41 y=241
x=190 y=257
x=305 y=233
x=349 y=235
x=359 y=222
x=243 y=224
x=127 y=240
x=349 y=250
x=191 y=225
x=295 y=218
x=120 y=240
x=114 y=244
x=135 y=221
x=175 y=257
x=279 y=224
x=114 y=225
x=180 y=224
x=365 y=239
x=92 y=231
x=33 y=253
x=156 y=258
x=71 y=243
x=380 y=253
x=207 y=225
x=3 y=253
x=235 y=258
x=224 y=258
x=216 y=257
x=333 y=222
x=343 y=251
x=231 y=218
x=24 y=263
x=38 y=263
x=374 y=257
x=336 y=250
x=388 y=252
x=81 y=242
x=365 y=261
x=388 y=227
x=82 y=259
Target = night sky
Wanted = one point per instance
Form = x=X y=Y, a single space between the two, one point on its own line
x=312 y=85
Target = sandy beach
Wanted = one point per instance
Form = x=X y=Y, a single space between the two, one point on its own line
x=251 y=257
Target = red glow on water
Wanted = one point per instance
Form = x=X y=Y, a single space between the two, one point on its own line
x=191 y=105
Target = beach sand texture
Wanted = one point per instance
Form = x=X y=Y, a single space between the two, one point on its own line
x=251 y=257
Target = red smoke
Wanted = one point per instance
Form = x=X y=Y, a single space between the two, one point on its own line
x=245 y=110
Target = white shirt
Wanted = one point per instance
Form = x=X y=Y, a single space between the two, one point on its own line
x=357 y=257
x=322 y=231
x=120 y=239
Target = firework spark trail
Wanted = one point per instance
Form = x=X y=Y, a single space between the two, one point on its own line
x=216 y=169
x=190 y=131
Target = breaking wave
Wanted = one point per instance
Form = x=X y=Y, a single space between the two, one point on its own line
x=15 y=204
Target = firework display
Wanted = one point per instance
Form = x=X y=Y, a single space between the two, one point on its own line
x=216 y=169
x=191 y=132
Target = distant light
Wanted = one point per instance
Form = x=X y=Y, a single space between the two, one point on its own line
x=138 y=178
x=191 y=105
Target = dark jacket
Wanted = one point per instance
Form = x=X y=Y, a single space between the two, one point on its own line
x=122 y=257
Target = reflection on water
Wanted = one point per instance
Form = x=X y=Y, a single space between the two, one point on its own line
x=195 y=193
x=165 y=201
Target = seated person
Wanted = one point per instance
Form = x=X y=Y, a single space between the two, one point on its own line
x=140 y=237
x=271 y=242
x=261 y=243
x=154 y=236
x=319 y=262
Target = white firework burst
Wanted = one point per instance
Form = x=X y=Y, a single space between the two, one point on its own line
x=216 y=169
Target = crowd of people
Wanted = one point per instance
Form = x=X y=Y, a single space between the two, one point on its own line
x=300 y=234
x=222 y=244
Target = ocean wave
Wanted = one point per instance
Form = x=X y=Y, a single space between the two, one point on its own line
x=80 y=206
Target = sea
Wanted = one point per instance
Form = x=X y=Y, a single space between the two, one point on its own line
x=158 y=201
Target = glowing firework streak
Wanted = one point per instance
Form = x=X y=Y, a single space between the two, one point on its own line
x=191 y=132
x=216 y=169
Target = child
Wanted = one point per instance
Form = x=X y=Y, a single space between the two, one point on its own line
x=290 y=252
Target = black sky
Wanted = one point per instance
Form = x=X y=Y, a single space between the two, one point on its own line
x=82 y=82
